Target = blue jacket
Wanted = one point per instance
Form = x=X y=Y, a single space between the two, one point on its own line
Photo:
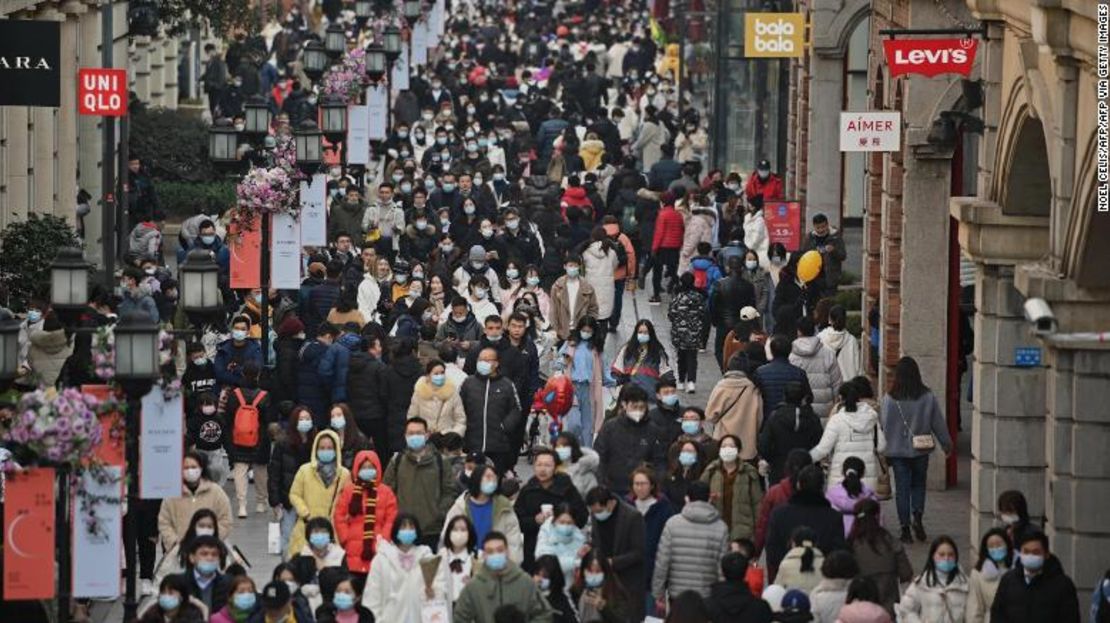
x=334 y=363
x=320 y=301
x=142 y=304
x=218 y=248
x=771 y=379
x=226 y=353
x=654 y=521
x=545 y=137
x=311 y=391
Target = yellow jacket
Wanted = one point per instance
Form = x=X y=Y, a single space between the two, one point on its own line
x=310 y=496
x=591 y=152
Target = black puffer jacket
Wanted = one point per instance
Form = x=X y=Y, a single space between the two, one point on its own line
x=285 y=460
x=492 y=410
x=364 y=387
x=397 y=383
x=537 y=192
x=1048 y=597
x=733 y=602
x=310 y=388
x=623 y=445
x=732 y=294
x=790 y=426
x=283 y=385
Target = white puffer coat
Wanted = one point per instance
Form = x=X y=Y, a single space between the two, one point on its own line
x=939 y=603
x=819 y=363
x=599 y=266
x=856 y=433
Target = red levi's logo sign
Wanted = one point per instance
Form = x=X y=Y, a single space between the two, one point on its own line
x=930 y=57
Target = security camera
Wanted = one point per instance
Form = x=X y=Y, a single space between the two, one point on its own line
x=1040 y=315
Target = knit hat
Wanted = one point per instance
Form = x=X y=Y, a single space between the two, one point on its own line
x=477 y=253
x=748 y=313
x=290 y=326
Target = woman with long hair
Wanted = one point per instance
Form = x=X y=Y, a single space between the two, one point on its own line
x=173 y=604
x=735 y=488
x=396 y=589
x=581 y=464
x=290 y=451
x=800 y=568
x=548 y=576
x=940 y=592
x=996 y=557
x=346 y=310
x=342 y=421
x=458 y=556
x=913 y=423
x=845 y=494
x=598 y=592
x=686 y=462
x=582 y=356
x=242 y=602
x=642 y=359
x=880 y=556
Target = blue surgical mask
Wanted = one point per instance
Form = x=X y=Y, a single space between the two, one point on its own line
x=998 y=554
x=572 y=271
x=208 y=239
x=34 y=316
x=489 y=487
x=945 y=566
x=238 y=335
x=415 y=442
x=690 y=427
x=439 y=379
x=207 y=567
x=319 y=540
x=325 y=455
x=586 y=335
x=670 y=400
x=512 y=273
x=168 y=602
x=338 y=423
x=594 y=580
x=533 y=281
x=564 y=453
x=243 y=601
x=303 y=426
x=343 y=601
x=545 y=584
x=687 y=458
x=643 y=338
x=367 y=474
x=258 y=299
x=1032 y=562
x=564 y=529
x=448 y=188
x=496 y=562
x=406 y=536
x=484 y=368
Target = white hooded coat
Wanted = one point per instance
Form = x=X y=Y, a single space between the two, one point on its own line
x=821 y=369
x=856 y=433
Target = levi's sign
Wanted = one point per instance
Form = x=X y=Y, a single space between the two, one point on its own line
x=102 y=92
x=930 y=57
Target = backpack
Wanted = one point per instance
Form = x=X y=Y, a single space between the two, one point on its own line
x=701 y=278
x=245 y=428
x=629 y=225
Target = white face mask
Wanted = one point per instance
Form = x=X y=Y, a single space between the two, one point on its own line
x=635 y=416
x=459 y=538
x=729 y=454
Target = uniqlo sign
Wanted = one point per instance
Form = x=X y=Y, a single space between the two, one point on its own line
x=930 y=57
x=870 y=131
x=102 y=92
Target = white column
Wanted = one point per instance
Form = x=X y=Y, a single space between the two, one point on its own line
x=66 y=174
x=89 y=138
x=17 y=186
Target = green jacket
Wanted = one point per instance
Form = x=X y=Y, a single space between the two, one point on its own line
x=487 y=592
x=424 y=487
x=746 y=496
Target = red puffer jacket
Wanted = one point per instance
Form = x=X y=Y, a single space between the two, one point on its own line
x=349 y=526
x=669 y=230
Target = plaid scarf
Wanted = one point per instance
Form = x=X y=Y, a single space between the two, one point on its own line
x=365 y=500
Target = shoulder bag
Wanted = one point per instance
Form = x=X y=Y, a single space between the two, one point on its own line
x=919 y=442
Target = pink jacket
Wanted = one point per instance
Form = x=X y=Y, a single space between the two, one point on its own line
x=845 y=504
x=863 y=612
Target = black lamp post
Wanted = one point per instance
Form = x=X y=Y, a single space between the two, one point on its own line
x=391 y=42
x=137 y=363
x=69 y=280
x=223 y=142
x=9 y=349
x=258 y=117
x=199 y=286
x=411 y=9
x=315 y=59
x=333 y=117
x=335 y=41
x=363 y=9
x=309 y=143
x=375 y=62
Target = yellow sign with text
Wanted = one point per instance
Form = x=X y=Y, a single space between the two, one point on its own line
x=774 y=35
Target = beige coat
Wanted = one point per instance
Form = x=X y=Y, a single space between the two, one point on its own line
x=736 y=408
x=47 y=354
x=561 y=321
x=176 y=513
x=441 y=407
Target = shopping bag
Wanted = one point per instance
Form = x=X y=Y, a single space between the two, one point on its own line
x=435 y=611
x=273 y=538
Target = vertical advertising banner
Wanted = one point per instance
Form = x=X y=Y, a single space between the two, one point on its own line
x=160 y=445
x=358 y=132
x=29 y=535
x=784 y=223
x=421 y=41
x=285 y=254
x=314 y=213
x=111 y=449
x=400 y=76
x=377 y=105
x=97 y=552
x=246 y=257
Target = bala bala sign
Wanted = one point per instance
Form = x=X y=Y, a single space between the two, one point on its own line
x=29 y=63
x=930 y=57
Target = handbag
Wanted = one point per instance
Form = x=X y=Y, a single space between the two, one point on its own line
x=918 y=442
x=883 y=490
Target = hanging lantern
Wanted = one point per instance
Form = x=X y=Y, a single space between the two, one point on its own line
x=391 y=42
x=223 y=142
x=309 y=143
x=333 y=117
x=200 y=289
x=335 y=41
x=69 y=279
x=136 y=348
x=375 y=62
x=258 y=116
x=315 y=59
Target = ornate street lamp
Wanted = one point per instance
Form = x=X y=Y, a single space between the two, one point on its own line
x=200 y=289
x=411 y=9
x=375 y=62
x=391 y=42
x=309 y=143
x=335 y=41
x=333 y=115
x=223 y=142
x=258 y=116
x=315 y=60
x=9 y=349
x=69 y=280
x=136 y=348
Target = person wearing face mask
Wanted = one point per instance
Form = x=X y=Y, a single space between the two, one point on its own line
x=344 y=606
x=233 y=354
x=561 y=537
x=316 y=487
x=550 y=579
x=249 y=412
x=572 y=299
x=290 y=450
x=435 y=398
x=629 y=440
x=996 y=557
x=421 y=235
x=31 y=322
x=545 y=491
x=206 y=431
x=176 y=514
x=488 y=510
x=518 y=240
x=396 y=589
x=364 y=512
x=173 y=604
x=1036 y=589
x=500 y=582
x=735 y=487
x=242 y=603
x=940 y=592
x=492 y=410
x=321 y=546
x=1013 y=512
x=205 y=582
x=420 y=479
x=135 y=296
x=599 y=594
x=691 y=143
x=763 y=185
x=282 y=604
x=199 y=376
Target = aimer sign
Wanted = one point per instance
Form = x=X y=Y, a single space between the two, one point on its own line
x=102 y=92
x=870 y=131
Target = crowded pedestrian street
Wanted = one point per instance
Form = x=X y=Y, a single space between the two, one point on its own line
x=431 y=311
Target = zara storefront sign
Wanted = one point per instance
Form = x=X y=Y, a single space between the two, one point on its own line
x=930 y=57
x=29 y=63
x=870 y=131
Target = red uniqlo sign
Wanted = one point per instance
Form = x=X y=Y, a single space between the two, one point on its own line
x=102 y=92
x=930 y=57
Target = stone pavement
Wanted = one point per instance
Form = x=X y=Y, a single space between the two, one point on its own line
x=947 y=512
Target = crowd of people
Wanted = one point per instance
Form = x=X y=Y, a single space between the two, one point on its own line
x=539 y=168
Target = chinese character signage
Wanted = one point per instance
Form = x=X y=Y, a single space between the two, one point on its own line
x=930 y=57
x=870 y=131
x=784 y=223
x=102 y=92
x=774 y=35
x=29 y=535
x=30 y=55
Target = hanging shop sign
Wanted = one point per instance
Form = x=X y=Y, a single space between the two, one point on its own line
x=930 y=57
x=30 y=58
x=102 y=92
x=870 y=131
x=774 y=35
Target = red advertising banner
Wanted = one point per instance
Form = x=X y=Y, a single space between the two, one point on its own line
x=29 y=535
x=246 y=257
x=111 y=449
x=930 y=57
x=784 y=223
x=102 y=92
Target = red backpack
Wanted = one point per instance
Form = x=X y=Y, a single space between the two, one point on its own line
x=244 y=431
x=701 y=278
